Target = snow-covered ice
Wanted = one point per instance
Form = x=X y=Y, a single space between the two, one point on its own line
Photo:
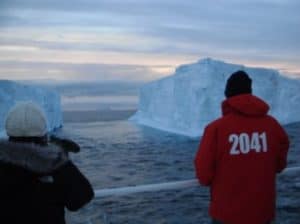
x=187 y=101
x=13 y=92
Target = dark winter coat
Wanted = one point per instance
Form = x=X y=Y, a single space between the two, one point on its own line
x=38 y=183
x=238 y=157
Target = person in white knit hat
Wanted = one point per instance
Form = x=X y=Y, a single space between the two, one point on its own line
x=26 y=121
x=38 y=180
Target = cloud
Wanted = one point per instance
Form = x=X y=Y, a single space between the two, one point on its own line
x=141 y=31
x=79 y=72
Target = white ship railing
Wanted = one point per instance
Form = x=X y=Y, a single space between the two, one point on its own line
x=174 y=185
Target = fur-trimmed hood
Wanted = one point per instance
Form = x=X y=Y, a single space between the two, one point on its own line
x=33 y=157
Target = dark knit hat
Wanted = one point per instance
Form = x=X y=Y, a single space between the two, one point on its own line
x=238 y=83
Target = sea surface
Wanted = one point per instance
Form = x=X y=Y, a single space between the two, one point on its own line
x=116 y=153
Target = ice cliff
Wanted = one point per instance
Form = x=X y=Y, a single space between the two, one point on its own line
x=12 y=92
x=187 y=101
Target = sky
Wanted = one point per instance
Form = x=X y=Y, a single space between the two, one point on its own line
x=141 y=40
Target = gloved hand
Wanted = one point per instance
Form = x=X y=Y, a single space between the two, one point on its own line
x=67 y=144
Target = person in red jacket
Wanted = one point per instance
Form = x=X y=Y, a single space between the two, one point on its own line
x=239 y=156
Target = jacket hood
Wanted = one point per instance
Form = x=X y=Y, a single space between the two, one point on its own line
x=246 y=104
x=35 y=158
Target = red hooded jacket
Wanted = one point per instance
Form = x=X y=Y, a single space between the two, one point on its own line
x=238 y=157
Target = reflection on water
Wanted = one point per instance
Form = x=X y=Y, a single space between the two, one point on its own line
x=85 y=103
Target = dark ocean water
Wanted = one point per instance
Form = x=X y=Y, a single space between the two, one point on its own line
x=117 y=153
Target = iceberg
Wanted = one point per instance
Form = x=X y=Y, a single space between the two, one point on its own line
x=184 y=103
x=12 y=92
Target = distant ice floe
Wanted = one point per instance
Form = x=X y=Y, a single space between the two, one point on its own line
x=184 y=103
